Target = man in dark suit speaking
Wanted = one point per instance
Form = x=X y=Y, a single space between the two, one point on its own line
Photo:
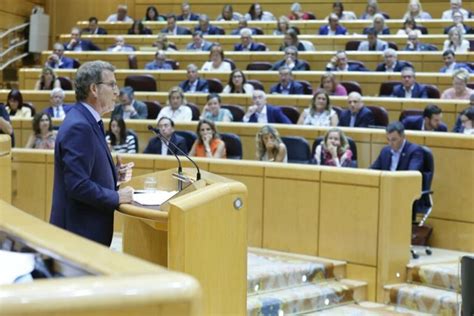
x=85 y=178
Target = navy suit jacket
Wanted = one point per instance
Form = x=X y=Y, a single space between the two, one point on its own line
x=100 y=31
x=398 y=67
x=411 y=158
x=85 y=178
x=295 y=88
x=415 y=122
x=299 y=65
x=154 y=146
x=364 y=118
x=467 y=29
x=340 y=30
x=350 y=67
x=202 y=85
x=211 y=30
x=254 y=47
x=64 y=63
x=419 y=91
x=456 y=67
x=274 y=115
x=179 y=31
x=50 y=111
x=193 y=17
x=85 y=45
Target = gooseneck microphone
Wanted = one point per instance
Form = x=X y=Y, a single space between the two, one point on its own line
x=156 y=131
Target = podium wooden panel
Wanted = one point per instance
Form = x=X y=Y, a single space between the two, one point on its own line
x=200 y=232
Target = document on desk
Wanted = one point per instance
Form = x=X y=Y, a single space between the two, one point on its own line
x=156 y=197
x=14 y=265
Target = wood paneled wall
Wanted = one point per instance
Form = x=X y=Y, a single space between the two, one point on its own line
x=13 y=12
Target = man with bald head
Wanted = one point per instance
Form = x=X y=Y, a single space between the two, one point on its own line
x=357 y=115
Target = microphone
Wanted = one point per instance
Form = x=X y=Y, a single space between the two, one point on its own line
x=156 y=131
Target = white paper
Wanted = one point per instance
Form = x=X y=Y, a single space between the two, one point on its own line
x=14 y=265
x=156 y=197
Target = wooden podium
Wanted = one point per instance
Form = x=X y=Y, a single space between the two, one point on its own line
x=201 y=231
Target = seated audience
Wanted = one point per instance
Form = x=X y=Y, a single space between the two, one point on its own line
x=291 y=39
x=282 y=26
x=121 y=15
x=286 y=84
x=159 y=63
x=458 y=21
x=119 y=139
x=415 y=11
x=5 y=125
x=409 y=26
x=450 y=64
x=371 y=10
x=256 y=13
x=138 y=28
x=176 y=108
x=243 y=24
x=93 y=27
x=357 y=115
x=212 y=111
x=57 y=109
x=152 y=14
x=456 y=6
x=157 y=146
x=339 y=62
x=409 y=88
x=162 y=43
x=208 y=143
x=205 y=27
x=247 y=43
x=172 y=28
x=459 y=90
x=413 y=44
x=291 y=60
x=391 y=64
x=58 y=60
x=47 y=80
x=187 y=14
x=297 y=13
x=194 y=83
x=77 y=44
x=15 y=106
x=228 y=14
x=378 y=25
x=458 y=125
x=338 y=10
x=372 y=43
x=334 y=150
x=216 y=60
x=330 y=85
x=333 y=27
x=198 y=43
x=467 y=121
x=319 y=113
x=456 y=42
x=129 y=108
x=261 y=112
x=43 y=136
x=270 y=147
x=238 y=83
x=429 y=121
x=120 y=46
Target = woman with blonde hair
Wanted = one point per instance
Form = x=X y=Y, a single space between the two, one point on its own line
x=47 y=80
x=378 y=24
x=459 y=90
x=270 y=147
x=319 y=113
x=162 y=43
x=334 y=150
x=415 y=11
x=176 y=108
x=371 y=9
x=283 y=25
x=456 y=42
x=330 y=85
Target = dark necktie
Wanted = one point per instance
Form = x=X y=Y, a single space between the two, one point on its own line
x=101 y=126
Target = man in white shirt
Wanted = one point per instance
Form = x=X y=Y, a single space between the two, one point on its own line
x=261 y=112
x=121 y=15
x=57 y=109
x=455 y=6
x=120 y=45
x=160 y=147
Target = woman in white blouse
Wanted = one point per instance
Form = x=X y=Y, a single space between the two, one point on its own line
x=319 y=113
x=216 y=62
x=455 y=42
x=238 y=83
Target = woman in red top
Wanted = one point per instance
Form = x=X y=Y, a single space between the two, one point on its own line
x=208 y=144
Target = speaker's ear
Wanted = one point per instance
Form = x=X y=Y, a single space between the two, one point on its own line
x=467 y=281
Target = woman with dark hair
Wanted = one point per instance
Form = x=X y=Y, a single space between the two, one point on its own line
x=15 y=106
x=152 y=14
x=270 y=147
x=208 y=144
x=138 y=28
x=216 y=60
x=338 y=9
x=118 y=138
x=238 y=83
x=283 y=25
x=291 y=39
x=47 y=80
x=256 y=13
x=212 y=111
x=330 y=85
x=334 y=150
x=43 y=136
x=228 y=14
x=319 y=113
x=408 y=26
x=467 y=121
x=371 y=9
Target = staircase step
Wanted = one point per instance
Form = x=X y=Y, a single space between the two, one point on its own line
x=423 y=298
x=307 y=298
x=271 y=270
x=440 y=275
x=366 y=309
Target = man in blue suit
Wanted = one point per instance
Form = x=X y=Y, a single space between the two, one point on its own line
x=357 y=115
x=450 y=64
x=205 y=27
x=391 y=64
x=429 y=121
x=260 y=112
x=172 y=28
x=85 y=178
x=247 y=43
x=77 y=44
x=57 y=60
x=333 y=27
x=291 y=60
x=340 y=62
x=187 y=14
x=57 y=109
x=198 y=43
x=409 y=88
x=156 y=145
x=287 y=85
x=372 y=43
x=194 y=83
x=94 y=28
x=5 y=124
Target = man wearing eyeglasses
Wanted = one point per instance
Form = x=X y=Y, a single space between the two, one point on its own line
x=86 y=180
